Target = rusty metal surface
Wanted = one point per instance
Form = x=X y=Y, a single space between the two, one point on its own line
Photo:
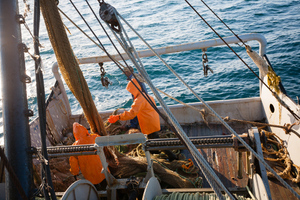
x=223 y=161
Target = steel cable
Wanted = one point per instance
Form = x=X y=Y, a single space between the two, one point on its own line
x=273 y=93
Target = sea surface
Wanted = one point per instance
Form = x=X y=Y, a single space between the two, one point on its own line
x=170 y=22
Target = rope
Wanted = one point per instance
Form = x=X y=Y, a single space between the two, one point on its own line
x=281 y=157
x=287 y=127
x=224 y=23
x=41 y=104
x=201 y=111
x=114 y=60
x=144 y=73
x=187 y=168
x=132 y=58
x=144 y=95
x=175 y=123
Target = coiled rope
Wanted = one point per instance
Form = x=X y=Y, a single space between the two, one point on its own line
x=277 y=152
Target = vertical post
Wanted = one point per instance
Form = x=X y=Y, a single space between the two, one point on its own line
x=14 y=98
x=240 y=164
x=248 y=167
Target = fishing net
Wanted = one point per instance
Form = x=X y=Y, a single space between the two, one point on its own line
x=181 y=173
x=170 y=174
x=69 y=66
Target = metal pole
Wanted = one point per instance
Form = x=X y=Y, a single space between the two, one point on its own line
x=14 y=100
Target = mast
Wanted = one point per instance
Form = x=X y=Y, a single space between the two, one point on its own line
x=14 y=98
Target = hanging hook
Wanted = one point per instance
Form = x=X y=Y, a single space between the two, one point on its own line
x=205 y=60
x=104 y=80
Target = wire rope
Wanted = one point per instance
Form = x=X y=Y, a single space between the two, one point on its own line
x=145 y=95
x=111 y=43
x=210 y=175
x=273 y=93
x=224 y=23
x=114 y=60
x=232 y=131
x=207 y=169
x=41 y=104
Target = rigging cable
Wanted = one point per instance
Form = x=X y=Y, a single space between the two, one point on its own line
x=149 y=100
x=202 y=163
x=87 y=36
x=273 y=93
x=144 y=94
x=41 y=104
x=103 y=48
x=224 y=23
x=232 y=131
x=207 y=171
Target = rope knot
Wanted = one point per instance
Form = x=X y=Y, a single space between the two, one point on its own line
x=288 y=127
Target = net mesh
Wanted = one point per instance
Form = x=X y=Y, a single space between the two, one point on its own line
x=69 y=66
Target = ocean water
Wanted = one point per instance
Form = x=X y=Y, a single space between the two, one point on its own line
x=171 y=22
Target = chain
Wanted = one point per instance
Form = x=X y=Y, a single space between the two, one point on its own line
x=205 y=66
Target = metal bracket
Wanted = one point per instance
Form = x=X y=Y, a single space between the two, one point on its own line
x=21 y=19
x=23 y=47
x=26 y=79
x=28 y=113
